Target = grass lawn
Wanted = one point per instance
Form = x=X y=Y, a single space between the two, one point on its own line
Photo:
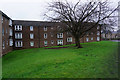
x=94 y=60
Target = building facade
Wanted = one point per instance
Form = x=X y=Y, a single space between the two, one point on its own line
x=20 y=34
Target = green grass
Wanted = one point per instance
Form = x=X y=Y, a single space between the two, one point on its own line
x=94 y=60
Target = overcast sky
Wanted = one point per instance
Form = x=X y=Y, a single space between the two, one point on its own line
x=29 y=9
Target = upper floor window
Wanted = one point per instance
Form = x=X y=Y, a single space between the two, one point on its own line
x=31 y=36
x=51 y=27
x=60 y=35
x=18 y=27
x=45 y=28
x=31 y=28
x=2 y=19
x=6 y=31
x=18 y=35
x=69 y=39
x=2 y=31
x=18 y=44
x=10 y=22
x=45 y=35
x=10 y=32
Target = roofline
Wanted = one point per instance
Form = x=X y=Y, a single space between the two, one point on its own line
x=3 y=14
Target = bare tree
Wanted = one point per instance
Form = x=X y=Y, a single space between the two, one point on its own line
x=78 y=16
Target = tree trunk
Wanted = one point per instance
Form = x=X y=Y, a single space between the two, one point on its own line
x=77 y=42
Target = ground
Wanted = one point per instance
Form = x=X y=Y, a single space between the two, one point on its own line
x=94 y=60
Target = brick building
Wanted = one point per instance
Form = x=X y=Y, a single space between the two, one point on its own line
x=35 y=34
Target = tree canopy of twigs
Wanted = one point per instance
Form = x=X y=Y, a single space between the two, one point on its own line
x=79 y=17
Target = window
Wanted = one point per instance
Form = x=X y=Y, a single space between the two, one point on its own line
x=10 y=42
x=98 y=27
x=18 y=27
x=45 y=35
x=31 y=36
x=6 y=31
x=98 y=33
x=2 y=31
x=2 y=19
x=69 y=39
x=3 y=46
x=51 y=27
x=18 y=44
x=87 y=39
x=60 y=35
x=45 y=28
x=10 y=22
x=91 y=38
x=18 y=35
x=45 y=43
x=7 y=42
x=52 y=42
x=98 y=38
x=10 y=32
x=31 y=43
x=31 y=28
x=60 y=42
x=91 y=33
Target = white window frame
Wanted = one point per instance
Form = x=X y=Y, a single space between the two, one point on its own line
x=87 y=39
x=98 y=33
x=18 y=35
x=91 y=38
x=10 y=22
x=18 y=44
x=10 y=32
x=45 y=35
x=60 y=35
x=45 y=43
x=31 y=28
x=32 y=43
x=59 y=42
x=98 y=38
x=10 y=42
x=52 y=42
x=3 y=32
x=31 y=36
x=3 y=45
x=45 y=28
x=18 y=27
x=69 y=39
x=2 y=18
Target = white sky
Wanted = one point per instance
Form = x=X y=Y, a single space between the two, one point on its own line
x=29 y=9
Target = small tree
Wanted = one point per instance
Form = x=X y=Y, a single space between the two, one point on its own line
x=77 y=16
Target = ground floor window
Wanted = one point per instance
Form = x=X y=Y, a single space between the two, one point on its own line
x=31 y=43
x=98 y=38
x=18 y=44
x=45 y=43
x=87 y=39
x=10 y=42
x=52 y=42
x=3 y=45
x=60 y=42
x=69 y=39
x=91 y=38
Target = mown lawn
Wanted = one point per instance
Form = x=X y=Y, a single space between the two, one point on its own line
x=94 y=60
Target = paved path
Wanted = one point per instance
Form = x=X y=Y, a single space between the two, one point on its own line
x=115 y=40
